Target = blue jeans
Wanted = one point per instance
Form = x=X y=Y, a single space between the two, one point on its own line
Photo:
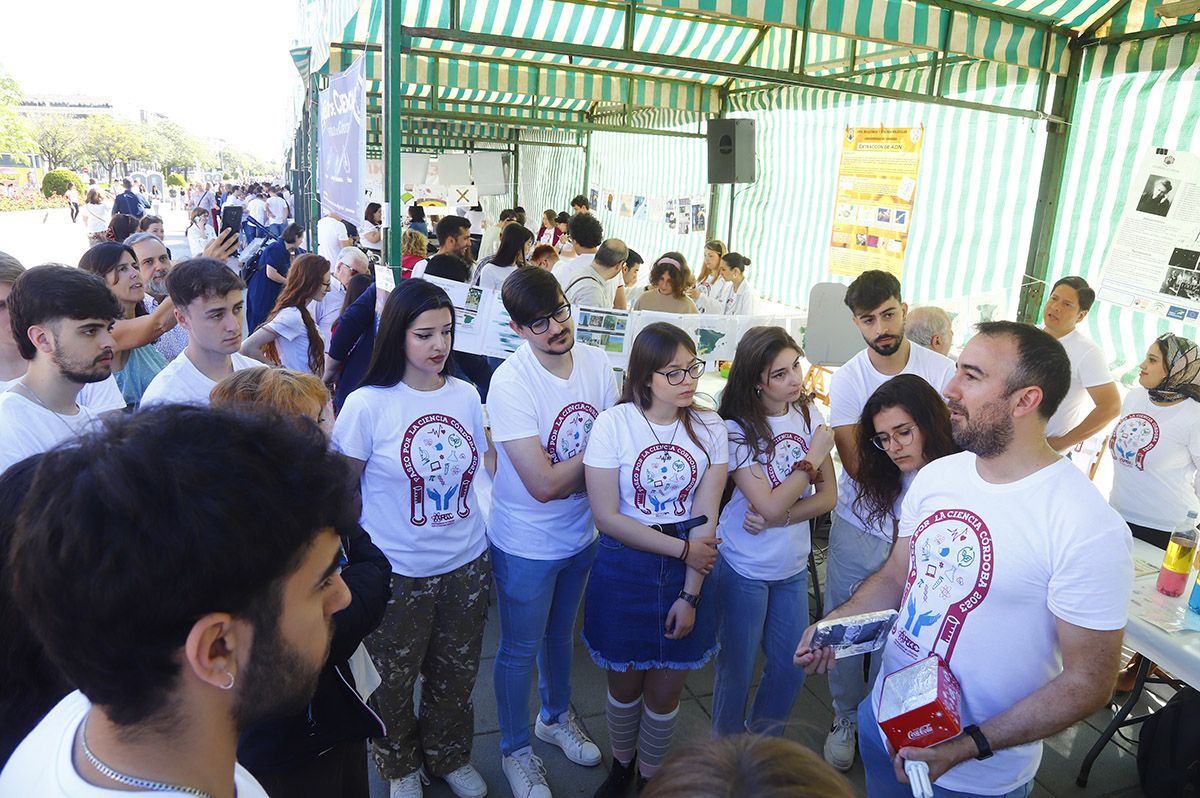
x=277 y=230
x=538 y=602
x=752 y=613
x=881 y=775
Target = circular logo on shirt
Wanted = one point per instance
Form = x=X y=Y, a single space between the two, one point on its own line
x=950 y=572
x=790 y=449
x=664 y=476
x=440 y=459
x=570 y=431
x=1134 y=437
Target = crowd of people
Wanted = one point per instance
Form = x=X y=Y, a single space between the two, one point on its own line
x=246 y=542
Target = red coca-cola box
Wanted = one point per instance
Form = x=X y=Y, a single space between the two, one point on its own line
x=919 y=705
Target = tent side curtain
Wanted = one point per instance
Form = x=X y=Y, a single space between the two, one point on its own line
x=549 y=176
x=1132 y=97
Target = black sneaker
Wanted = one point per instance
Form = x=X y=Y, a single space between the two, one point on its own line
x=642 y=781
x=618 y=781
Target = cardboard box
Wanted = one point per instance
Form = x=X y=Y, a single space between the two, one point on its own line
x=919 y=705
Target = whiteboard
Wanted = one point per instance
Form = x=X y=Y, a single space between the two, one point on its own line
x=831 y=337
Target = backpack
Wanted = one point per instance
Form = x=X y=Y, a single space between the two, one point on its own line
x=1168 y=759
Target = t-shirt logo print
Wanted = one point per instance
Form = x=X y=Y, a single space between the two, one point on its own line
x=663 y=478
x=440 y=459
x=1132 y=440
x=790 y=449
x=570 y=430
x=950 y=572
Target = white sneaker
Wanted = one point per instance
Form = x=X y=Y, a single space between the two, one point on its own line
x=570 y=737
x=466 y=782
x=409 y=786
x=839 y=745
x=526 y=775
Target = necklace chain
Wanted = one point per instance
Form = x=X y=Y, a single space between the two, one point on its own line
x=674 y=431
x=33 y=395
x=126 y=779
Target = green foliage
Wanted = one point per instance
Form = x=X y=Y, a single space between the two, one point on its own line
x=59 y=140
x=108 y=142
x=58 y=180
x=176 y=179
x=14 y=134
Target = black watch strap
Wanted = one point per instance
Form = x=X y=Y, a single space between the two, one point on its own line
x=981 y=742
x=690 y=598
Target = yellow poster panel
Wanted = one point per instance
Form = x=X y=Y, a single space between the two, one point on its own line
x=877 y=183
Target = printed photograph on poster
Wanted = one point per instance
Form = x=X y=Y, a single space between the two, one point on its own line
x=609 y=203
x=604 y=329
x=593 y=197
x=499 y=340
x=669 y=214
x=657 y=209
x=626 y=205
x=699 y=217
x=639 y=208
x=472 y=305
x=1153 y=261
x=683 y=225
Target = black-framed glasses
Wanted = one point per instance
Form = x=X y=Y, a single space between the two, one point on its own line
x=902 y=436
x=542 y=323
x=676 y=376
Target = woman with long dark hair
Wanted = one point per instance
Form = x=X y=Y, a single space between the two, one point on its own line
x=372 y=235
x=510 y=256
x=289 y=337
x=655 y=470
x=779 y=450
x=135 y=360
x=414 y=436
x=904 y=426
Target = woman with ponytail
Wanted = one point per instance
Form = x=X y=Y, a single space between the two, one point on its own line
x=740 y=299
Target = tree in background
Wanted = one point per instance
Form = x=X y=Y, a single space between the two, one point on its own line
x=108 y=142
x=174 y=149
x=176 y=179
x=59 y=140
x=14 y=135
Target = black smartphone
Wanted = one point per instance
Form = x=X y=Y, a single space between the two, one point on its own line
x=231 y=218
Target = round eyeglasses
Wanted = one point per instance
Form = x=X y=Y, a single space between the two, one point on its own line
x=560 y=315
x=902 y=436
x=676 y=376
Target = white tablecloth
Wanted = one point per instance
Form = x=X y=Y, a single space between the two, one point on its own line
x=1159 y=627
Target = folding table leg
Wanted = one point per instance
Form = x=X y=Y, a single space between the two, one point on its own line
x=1118 y=720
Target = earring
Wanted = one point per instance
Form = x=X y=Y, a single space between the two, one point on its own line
x=231 y=680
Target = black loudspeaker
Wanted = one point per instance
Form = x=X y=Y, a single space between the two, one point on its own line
x=731 y=151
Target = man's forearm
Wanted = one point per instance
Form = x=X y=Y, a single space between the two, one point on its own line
x=1092 y=423
x=878 y=592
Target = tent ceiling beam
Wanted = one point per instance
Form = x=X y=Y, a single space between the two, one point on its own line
x=737 y=71
x=1174 y=30
x=507 y=121
x=1103 y=19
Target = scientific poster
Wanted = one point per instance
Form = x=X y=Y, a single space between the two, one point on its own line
x=877 y=183
x=499 y=340
x=594 y=197
x=699 y=217
x=639 y=208
x=669 y=214
x=1153 y=263
x=627 y=205
x=472 y=305
x=604 y=329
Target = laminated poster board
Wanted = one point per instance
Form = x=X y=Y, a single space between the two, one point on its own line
x=480 y=320
x=1153 y=262
x=877 y=183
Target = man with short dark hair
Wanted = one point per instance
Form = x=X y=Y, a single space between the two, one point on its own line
x=857 y=547
x=62 y=319
x=1009 y=566
x=543 y=401
x=209 y=304
x=580 y=204
x=128 y=202
x=1070 y=300
x=584 y=281
x=227 y=623
x=454 y=237
x=929 y=326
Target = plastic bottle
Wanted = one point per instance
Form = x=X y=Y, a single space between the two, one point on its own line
x=1177 y=564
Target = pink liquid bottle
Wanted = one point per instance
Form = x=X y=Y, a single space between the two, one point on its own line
x=1177 y=564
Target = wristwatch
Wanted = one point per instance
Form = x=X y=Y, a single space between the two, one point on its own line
x=981 y=742
x=690 y=598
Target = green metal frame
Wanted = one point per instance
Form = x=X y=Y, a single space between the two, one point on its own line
x=393 y=180
x=490 y=119
x=1174 y=30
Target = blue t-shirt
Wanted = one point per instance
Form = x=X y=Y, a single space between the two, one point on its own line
x=352 y=343
x=263 y=291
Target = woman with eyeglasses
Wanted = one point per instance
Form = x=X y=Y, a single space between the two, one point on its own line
x=289 y=337
x=655 y=470
x=904 y=426
x=414 y=436
x=779 y=459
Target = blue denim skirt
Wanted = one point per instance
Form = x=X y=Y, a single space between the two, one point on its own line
x=625 y=611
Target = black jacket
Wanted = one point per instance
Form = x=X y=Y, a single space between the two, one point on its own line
x=337 y=713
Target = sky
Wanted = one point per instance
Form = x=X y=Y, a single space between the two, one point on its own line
x=219 y=68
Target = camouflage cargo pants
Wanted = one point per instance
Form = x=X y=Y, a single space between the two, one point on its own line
x=433 y=627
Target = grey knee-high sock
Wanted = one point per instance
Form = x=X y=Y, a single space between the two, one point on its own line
x=623 y=727
x=654 y=740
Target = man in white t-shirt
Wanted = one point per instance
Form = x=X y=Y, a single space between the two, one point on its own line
x=1010 y=567
x=230 y=613
x=209 y=304
x=256 y=208
x=277 y=212
x=332 y=236
x=857 y=548
x=325 y=312
x=62 y=319
x=542 y=403
x=594 y=280
x=1091 y=382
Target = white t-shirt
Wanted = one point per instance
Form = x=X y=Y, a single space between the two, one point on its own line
x=1088 y=369
x=257 y=208
x=1156 y=457
x=43 y=763
x=422 y=451
x=326 y=312
x=779 y=552
x=277 y=207
x=992 y=568
x=292 y=342
x=493 y=276
x=660 y=467
x=525 y=401
x=582 y=285
x=96 y=215
x=850 y=388
x=181 y=383
x=27 y=428
x=99 y=397
x=369 y=227
x=330 y=235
